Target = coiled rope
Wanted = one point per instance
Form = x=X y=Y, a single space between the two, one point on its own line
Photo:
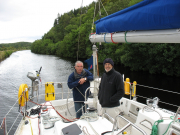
x=155 y=127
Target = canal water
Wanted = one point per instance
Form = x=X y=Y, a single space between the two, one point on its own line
x=13 y=73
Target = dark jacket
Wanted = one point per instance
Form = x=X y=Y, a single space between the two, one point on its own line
x=111 y=89
x=73 y=83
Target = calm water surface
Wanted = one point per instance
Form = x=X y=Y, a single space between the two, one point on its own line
x=13 y=73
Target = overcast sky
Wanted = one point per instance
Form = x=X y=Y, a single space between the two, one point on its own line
x=29 y=20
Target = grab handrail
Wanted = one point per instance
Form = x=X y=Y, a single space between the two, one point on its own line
x=126 y=126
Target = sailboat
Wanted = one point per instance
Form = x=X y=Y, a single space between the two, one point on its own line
x=57 y=117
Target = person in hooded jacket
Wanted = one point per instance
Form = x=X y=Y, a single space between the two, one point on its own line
x=79 y=81
x=111 y=89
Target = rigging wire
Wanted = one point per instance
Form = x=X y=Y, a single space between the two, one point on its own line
x=158 y=89
x=79 y=30
x=93 y=18
x=99 y=10
x=104 y=7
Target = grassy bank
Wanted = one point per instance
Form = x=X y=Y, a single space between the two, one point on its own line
x=5 y=54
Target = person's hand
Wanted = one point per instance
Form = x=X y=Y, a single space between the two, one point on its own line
x=81 y=81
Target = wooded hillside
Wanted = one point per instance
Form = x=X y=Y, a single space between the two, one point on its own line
x=69 y=36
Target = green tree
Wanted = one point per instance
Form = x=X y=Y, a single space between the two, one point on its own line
x=70 y=36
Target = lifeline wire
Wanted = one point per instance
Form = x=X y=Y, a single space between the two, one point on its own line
x=9 y=112
x=158 y=89
x=159 y=101
x=14 y=122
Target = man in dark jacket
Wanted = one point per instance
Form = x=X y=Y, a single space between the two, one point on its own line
x=111 y=89
x=79 y=82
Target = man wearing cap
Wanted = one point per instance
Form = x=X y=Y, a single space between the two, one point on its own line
x=111 y=89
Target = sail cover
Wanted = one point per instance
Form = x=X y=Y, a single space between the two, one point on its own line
x=146 y=15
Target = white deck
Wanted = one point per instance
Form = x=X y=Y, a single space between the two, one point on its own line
x=100 y=126
x=133 y=111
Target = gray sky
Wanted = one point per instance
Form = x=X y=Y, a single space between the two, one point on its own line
x=29 y=20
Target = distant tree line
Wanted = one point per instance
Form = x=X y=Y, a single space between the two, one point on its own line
x=7 y=49
x=69 y=37
x=15 y=46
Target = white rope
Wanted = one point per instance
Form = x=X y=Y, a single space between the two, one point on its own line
x=92 y=128
x=80 y=92
x=85 y=132
x=81 y=107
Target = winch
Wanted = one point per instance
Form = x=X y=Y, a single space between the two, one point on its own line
x=48 y=120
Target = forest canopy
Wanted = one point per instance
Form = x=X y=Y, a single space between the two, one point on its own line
x=69 y=38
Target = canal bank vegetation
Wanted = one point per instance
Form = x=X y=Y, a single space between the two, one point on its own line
x=69 y=37
x=7 y=49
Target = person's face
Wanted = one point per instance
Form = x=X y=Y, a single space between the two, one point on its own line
x=108 y=67
x=79 y=68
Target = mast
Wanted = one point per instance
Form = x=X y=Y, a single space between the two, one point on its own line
x=96 y=84
x=94 y=61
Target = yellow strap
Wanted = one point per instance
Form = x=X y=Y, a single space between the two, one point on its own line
x=31 y=126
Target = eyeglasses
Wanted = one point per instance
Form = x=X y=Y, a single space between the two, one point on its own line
x=79 y=66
